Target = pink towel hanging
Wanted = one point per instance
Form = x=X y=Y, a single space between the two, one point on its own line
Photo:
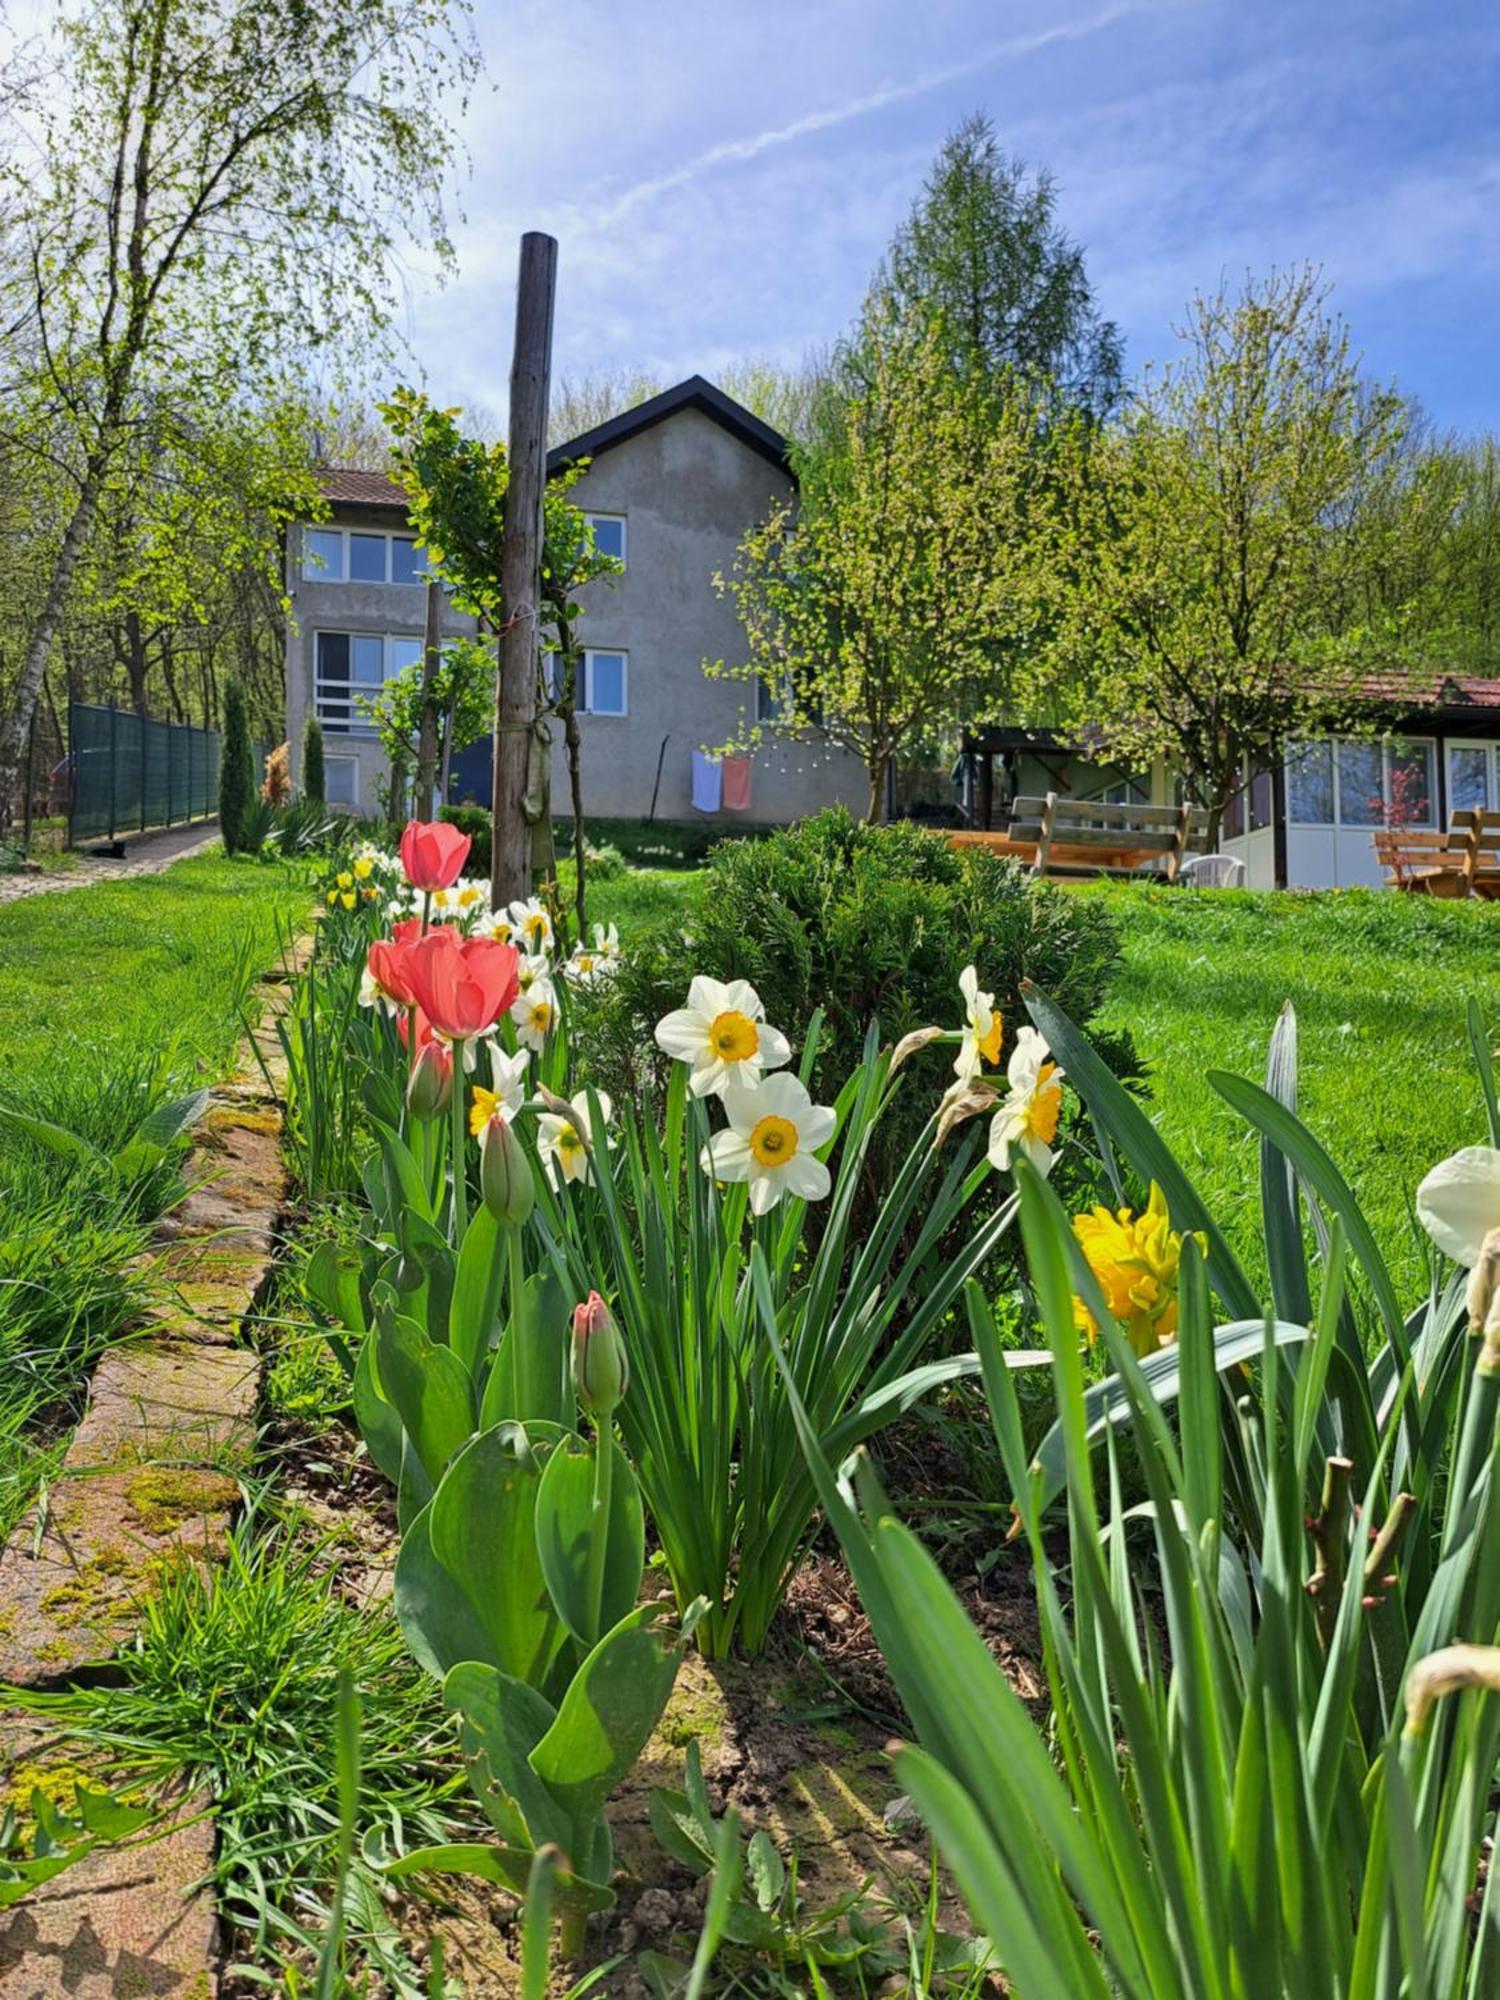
x=736 y=784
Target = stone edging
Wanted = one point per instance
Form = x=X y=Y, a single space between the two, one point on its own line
x=149 y=1478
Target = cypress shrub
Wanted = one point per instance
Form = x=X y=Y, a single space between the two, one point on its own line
x=314 y=785
x=236 y=769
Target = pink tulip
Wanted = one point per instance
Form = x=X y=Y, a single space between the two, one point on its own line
x=386 y=961
x=433 y=854
x=462 y=985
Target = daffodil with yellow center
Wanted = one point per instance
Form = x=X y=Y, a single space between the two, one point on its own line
x=983 y=1029
x=348 y=899
x=772 y=1141
x=1135 y=1259
x=344 y=879
x=723 y=1036
x=509 y=1074
x=534 y=1011
x=563 y=1143
x=1027 y=1121
x=364 y=867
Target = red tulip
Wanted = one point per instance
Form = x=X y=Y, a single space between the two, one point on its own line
x=403 y=1027
x=429 y=1088
x=433 y=854
x=386 y=961
x=462 y=985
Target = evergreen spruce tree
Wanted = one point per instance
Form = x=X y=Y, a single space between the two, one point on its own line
x=314 y=784
x=236 y=769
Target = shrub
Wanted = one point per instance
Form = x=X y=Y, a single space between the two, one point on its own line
x=276 y=789
x=237 y=785
x=314 y=784
x=475 y=822
x=868 y=923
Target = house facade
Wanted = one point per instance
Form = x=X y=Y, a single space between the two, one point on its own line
x=671 y=488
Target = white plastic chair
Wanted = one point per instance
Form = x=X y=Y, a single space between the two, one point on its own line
x=1213 y=871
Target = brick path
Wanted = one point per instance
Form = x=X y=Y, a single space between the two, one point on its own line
x=145 y=854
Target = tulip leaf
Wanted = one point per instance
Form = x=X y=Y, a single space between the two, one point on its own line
x=501 y=1722
x=606 y=1717
x=379 y=1423
x=1107 y=1405
x=483 y=1529
x=161 y=1125
x=564 y=1529
x=529 y=1381
x=331 y=1281
x=56 y=1138
x=474 y=1310
x=438 y=1619
x=405 y=1190
x=507 y=1867
x=430 y=1388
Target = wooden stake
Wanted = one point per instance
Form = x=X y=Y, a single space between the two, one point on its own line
x=520 y=568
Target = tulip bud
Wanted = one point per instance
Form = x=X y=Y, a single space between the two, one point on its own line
x=601 y=1372
x=505 y=1182
x=429 y=1088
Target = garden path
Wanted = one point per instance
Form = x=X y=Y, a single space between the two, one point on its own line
x=147 y=854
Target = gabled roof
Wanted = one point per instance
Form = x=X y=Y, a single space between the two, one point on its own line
x=694 y=394
x=356 y=488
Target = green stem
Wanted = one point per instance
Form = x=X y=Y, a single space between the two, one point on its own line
x=460 y=1160
x=604 y=1452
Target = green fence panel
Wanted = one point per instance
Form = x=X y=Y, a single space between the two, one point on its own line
x=128 y=772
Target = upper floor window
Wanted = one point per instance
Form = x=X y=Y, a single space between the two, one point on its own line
x=349 y=669
x=604 y=688
x=360 y=555
x=609 y=534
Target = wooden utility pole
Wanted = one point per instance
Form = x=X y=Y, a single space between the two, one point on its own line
x=521 y=568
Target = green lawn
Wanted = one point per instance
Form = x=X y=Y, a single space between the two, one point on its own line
x=1380 y=984
x=643 y=895
x=113 y=997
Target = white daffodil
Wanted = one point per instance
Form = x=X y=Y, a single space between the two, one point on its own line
x=563 y=1144
x=723 y=1036
x=1027 y=1120
x=534 y=1013
x=531 y=967
x=980 y=1048
x=607 y=942
x=773 y=1136
x=508 y=1074
x=533 y=925
x=600 y=960
x=495 y=924
x=470 y=898
x=373 y=994
x=1459 y=1206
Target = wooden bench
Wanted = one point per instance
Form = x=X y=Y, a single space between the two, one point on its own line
x=1462 y=860
x=1065 y=838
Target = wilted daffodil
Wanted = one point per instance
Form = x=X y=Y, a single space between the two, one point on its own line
x=723 y=1036
x=1459 y=1206
x=1027 y=1120
x=980 y=1048
x=1135 y=1259
x=773 y=1134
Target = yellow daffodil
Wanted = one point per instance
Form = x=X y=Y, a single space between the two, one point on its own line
x=348 y=899
x=344 y=879
x=980 y=1048
x=1027 y=1120
x=1135 y=1259
x=364 y=867
x=333 y=896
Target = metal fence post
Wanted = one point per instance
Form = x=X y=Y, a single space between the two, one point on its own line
x=113 y=764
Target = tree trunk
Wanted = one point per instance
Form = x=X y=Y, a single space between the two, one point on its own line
x=14 y=735
x=432 y=646
x=573 y=737
x=135 y=662
x=876 y=766
x=520 y=569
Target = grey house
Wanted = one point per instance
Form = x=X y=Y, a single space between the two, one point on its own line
x=671 y=487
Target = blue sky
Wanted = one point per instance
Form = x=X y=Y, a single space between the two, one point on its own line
x=722 y=178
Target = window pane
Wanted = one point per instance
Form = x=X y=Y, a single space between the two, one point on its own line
x=605 y=683
x=407 y=566
x=367 y=558
x=341 y=781
x=404 y=653
x=1309 y=784
x=609 y=534
x=369 y=659
x=1409 y=786
x=333 y=656
x=1361 y=785
x=323 y=555
x=1261 y=801
x=1468 y=777
x=770 y=701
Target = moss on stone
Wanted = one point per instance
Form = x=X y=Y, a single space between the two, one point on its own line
x=161 y=1497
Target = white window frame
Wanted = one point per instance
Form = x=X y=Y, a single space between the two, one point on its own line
x=1386 y=745
x=591 y=518
x=312 y=572
x=1491 y=749
x=352 y=803
x=585 y=706
x=363 y=726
